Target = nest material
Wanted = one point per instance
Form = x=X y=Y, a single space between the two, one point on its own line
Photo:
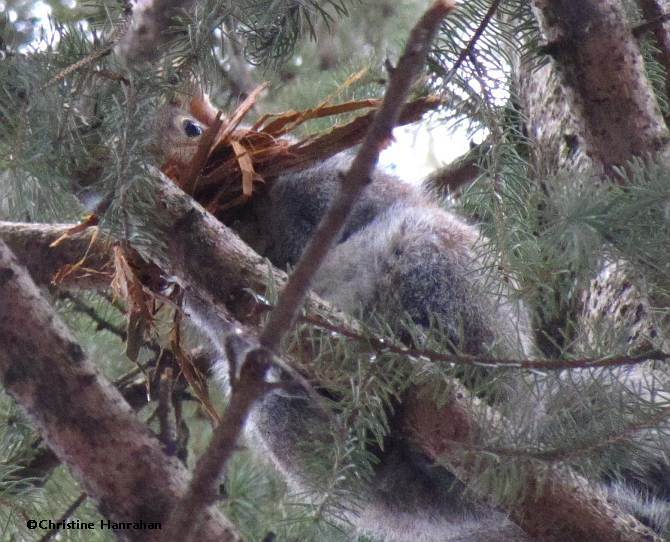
x=231 y=162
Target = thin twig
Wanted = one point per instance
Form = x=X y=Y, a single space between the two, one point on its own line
x=68 y=512
x=116 y=35
x=101 y=324
x=465 y=53
x=570 y=450
x=382 y=345
x=202 y=491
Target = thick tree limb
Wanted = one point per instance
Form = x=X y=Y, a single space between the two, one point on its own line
x=555 y=505
x=31 y=243
x=221 y=320
x=603 y=69
x=83 y=418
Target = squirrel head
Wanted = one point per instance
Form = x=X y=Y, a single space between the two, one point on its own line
x=177 y=135
x=178 y=128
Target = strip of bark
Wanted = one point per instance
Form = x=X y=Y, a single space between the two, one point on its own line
x=601 y=64
x=83 y=418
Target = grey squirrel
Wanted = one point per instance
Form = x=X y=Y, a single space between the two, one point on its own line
x=399 y=255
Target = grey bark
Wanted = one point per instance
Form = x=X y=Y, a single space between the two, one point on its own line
x=83 y=418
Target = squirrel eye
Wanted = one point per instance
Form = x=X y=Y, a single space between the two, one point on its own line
x=191 y=129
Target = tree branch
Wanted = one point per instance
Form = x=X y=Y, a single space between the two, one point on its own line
x=32 y=245
x=655 y=19
x=21 y=235
x=458 y=173
x=555 y=504
x=83 y=418
x=469 y=48
x=602 y=67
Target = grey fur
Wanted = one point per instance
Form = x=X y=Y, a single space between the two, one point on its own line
x=399 y=255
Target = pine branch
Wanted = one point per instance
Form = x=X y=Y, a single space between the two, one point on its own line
x=655 y=19
x=100 y=52
x=101 y=324
x=83 y=418
x=470 y=46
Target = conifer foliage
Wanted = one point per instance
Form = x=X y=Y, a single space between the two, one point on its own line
x=122 y=283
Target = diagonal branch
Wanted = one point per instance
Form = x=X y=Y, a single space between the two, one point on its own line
x=251 y=385
x=470 y=46
x=24 y=239
x=359 y=175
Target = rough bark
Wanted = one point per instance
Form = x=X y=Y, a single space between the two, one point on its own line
x=83 y=418
x=603 y=71
x=31 y=243
x=555 y=504
x=655 y=14
x=562 y=114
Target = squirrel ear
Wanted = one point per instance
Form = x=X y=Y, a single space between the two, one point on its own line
x=202 y=109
